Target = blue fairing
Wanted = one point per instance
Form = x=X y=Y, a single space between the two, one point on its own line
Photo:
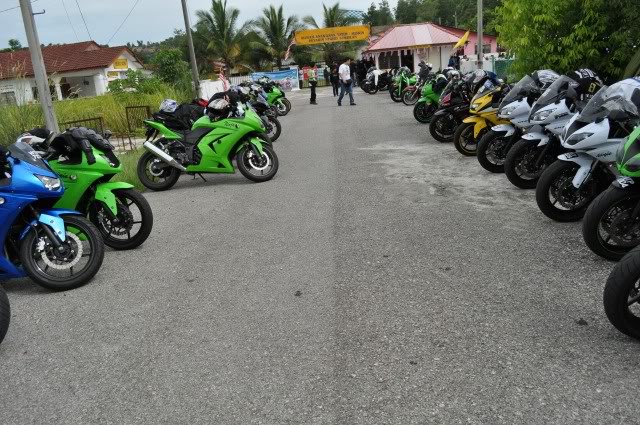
x=18 y=192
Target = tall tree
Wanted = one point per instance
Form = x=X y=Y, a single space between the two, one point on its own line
x=370 y=17
x=385 y=17
x=567 y=34
x=226 y=38
x=332 y=16
x=276 y=32
x=14 y=45
x=407 y=11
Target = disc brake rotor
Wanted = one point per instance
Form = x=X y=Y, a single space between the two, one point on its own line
x=124 y=224
x=70 y=259
x=568 y=196
x=624 y=230
x=259 y=163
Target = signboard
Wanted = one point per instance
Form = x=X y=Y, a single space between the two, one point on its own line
x=113 y=75
x=288 y=79
x=332 y=35
x=121 y=64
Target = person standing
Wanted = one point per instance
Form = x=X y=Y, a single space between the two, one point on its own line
x=335 y=80
x=327 y=73
x=313 y=82
x=346 y=83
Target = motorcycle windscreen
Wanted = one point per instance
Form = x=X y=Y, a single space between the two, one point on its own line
x=24 y=152
x=524 y=88
x=556 y=92
x=619 y=101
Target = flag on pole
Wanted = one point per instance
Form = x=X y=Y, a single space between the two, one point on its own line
x=462 y=41
x=286 y=55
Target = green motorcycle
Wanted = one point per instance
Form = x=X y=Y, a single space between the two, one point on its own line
x=430 y=96
x=276 y=96
x=401 y=81
x=209 y=147
x=611 y=225
x=85 y=162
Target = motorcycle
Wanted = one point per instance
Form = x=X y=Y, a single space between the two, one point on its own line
x=430 y=96
x=85 y=162
x=209 y=147
x=258 y=101
x=58 y=249
x=453 y=109
x=611 y=225
x=567 y=187
x=530 y=156
x=375 y=81
x=483 y=115
x=403 y=79
x=412 y=93
x=622 y=293
x=515 y=107
x=5 y=314
x=276 y=96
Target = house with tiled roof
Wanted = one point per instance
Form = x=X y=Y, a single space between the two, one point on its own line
x=407 y=45
x=75 y=70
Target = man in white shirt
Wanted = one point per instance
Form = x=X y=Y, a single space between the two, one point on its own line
x=346 y=85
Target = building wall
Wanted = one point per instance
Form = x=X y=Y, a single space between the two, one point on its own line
x=470 y=47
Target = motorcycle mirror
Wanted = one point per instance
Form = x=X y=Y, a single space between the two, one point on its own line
x=107 y=134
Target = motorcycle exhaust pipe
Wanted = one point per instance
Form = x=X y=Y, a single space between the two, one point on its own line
x=163 y=156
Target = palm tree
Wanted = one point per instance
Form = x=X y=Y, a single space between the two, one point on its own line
x=332 y=16
x=226 y=40
x=276 y=32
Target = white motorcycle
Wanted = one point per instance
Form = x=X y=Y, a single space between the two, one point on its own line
x=566 y=188
x=539 y=148
x=516 y=106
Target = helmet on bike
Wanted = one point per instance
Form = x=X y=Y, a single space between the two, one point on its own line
x=453 y=75
x=544 y=78
x=168 y=106
x=587 y=82
x=218 y=107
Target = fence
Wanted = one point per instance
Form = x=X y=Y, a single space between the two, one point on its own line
x=96 y=124
x=500 y=66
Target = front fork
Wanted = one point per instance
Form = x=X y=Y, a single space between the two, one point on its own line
x=56 y=237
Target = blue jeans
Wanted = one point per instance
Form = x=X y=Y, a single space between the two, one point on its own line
x=344 y=88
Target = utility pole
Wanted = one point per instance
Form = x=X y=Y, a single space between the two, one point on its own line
x=37 y=61
x=192 y=53
x=480 y=53
x=455 y=18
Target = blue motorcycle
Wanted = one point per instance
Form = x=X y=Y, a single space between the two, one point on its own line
x=58 y=249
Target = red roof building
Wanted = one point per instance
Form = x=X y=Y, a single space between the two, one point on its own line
x=406 y=45
x=75 y=70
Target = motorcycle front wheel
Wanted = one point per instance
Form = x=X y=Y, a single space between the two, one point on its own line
x=622 y=293
x=154 y=174
x=410 y=97
x=556 y=196
x=73 y=266
x=395 y=96
x=492 y=151
x=283 y=106
x=521 y=164
x=463 y=139
x=273 y=127
x=5 y=314
x=609 y=229
x=423 y=112
x=443 y=127
x=130 y=227
x=258 y=169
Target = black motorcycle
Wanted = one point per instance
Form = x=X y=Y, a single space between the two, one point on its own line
x=453 y=109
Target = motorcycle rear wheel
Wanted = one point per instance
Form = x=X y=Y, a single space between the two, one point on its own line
x=167 y=177
x=607 y=219
x=621 y=294
x=5 y=314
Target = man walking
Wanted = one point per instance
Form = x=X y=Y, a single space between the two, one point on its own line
x=313 y=82
x=346 y=84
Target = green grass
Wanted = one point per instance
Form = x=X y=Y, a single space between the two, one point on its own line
x=129 y=174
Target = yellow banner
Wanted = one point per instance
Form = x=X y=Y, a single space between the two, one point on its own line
x=120 y=64
x=332 y=35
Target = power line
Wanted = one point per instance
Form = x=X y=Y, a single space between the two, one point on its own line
x=85 y=22
x=125 y=20
x=69 y=19
x=15 y=7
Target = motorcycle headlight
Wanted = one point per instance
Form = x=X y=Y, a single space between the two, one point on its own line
x=577 y=138
x=508 y=111
x=475 y=106
x=49 y=182
x=543 y=115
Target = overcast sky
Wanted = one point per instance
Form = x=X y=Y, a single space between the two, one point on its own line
x=151 y=20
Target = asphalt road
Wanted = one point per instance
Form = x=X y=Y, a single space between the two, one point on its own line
x=380 y=278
